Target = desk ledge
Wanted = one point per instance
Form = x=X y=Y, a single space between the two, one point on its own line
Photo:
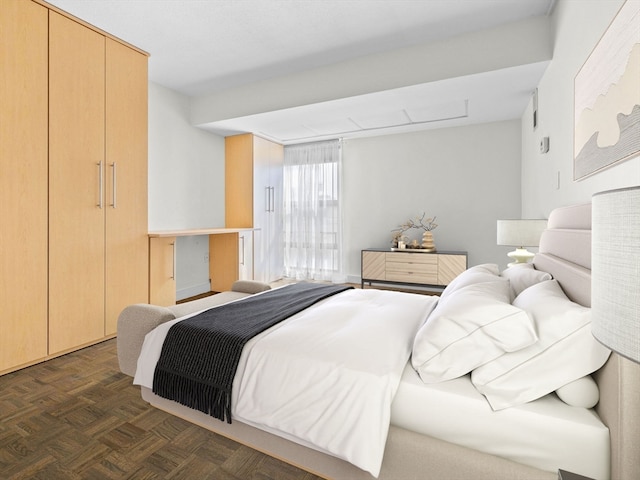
x=198 y=231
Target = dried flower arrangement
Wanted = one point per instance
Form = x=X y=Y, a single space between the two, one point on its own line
x=420 y=223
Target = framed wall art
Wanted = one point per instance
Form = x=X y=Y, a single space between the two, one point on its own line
x=607 y=97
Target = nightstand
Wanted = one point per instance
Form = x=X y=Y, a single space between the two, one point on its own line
x=564 y=475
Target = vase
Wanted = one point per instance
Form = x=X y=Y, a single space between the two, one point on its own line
x=427 y=242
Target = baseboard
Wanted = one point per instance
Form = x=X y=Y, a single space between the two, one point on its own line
x=193 y=290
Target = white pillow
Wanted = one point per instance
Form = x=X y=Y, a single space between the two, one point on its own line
x=486 y=272
x=582 y=392
x=565 y=351
x=522 y=276
x=472 y=326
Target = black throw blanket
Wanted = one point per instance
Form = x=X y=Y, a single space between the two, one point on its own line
x=200 y=355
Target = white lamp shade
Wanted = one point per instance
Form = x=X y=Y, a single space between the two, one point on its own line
x=615 y=270
x=520 y=233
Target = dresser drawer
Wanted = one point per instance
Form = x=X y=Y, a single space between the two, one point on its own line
x=412 y=258
x=412 y=268
x=412 y=277
x=425 y=268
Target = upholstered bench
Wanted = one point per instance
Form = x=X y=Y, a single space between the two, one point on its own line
x=137 y=320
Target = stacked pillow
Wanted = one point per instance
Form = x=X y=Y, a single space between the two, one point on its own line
x=480 y=273
x=565 y=351
x=518 y=334
x=522 y=276
x=473 y=323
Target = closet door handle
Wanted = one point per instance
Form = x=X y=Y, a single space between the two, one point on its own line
x=99 y=164
x=272 y=198
x=113 y=185
x=173 y=264
x=267 y=198
x=242 y=250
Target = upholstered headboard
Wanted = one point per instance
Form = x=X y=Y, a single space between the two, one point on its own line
x=565 y=252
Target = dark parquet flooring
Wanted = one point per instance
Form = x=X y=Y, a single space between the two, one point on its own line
x=77 y=417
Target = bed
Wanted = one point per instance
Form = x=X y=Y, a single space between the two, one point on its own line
x=447 y=428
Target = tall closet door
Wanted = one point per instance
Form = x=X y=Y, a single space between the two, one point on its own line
x=127 y=244
x=76 y=194
x=23 y=183
x=262 y=205
x=276 y=219
x=268 y=180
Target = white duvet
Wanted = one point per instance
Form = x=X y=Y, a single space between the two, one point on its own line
x=325 y=377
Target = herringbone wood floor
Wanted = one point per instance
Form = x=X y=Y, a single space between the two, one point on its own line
x=78 y=417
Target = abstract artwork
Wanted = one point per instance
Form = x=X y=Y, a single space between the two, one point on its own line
x=607 y=97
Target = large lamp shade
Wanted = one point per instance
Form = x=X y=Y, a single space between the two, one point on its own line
x=615 y=270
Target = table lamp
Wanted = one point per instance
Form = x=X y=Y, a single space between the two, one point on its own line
x=520 y=234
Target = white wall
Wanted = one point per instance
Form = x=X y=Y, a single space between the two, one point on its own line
x=186 y=183
x=468 y=177
x=578 y=25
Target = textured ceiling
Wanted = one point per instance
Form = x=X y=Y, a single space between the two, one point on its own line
x=201 y=47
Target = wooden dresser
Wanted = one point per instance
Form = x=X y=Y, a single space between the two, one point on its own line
x=411 y=267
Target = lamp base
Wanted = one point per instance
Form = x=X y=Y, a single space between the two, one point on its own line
x=520 y=255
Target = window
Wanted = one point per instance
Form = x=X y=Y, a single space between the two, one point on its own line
x=312 y=217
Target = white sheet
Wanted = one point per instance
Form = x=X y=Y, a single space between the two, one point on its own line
x=547 y=433
x=327 y=375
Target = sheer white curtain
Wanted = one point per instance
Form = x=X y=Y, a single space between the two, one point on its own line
x=312 y=213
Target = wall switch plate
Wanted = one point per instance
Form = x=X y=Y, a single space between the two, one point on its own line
x=544 y=145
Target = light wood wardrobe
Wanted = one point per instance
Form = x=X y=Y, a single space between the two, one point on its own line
x=73 y=196
x=253 y=198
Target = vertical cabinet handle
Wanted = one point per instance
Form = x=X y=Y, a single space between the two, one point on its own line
x=273 y=199
x=113 y=185
x=242 y=249
x=270 y=199
x=173 y=264
x=99 y=164
x=267 y=198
